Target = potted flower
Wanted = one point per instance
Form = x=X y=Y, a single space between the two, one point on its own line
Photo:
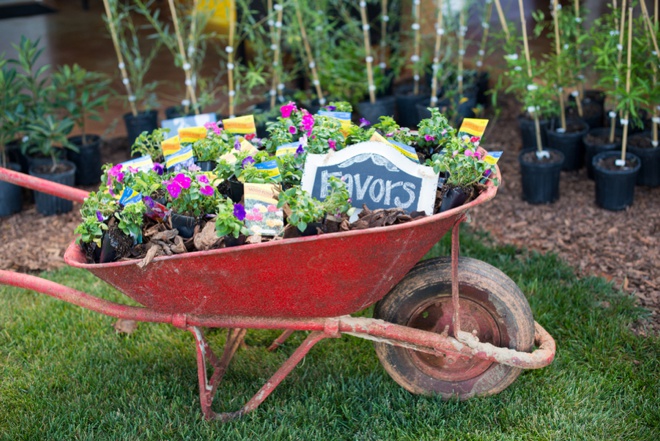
x=134 y=63
x=81 y=93
x=10 y=103
x=191 y=197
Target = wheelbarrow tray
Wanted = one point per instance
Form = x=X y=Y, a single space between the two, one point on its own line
x=321 y=276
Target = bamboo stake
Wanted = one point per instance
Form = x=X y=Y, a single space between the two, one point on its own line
x=651 y=31
x=120 y=58
x=649 y=26
x=500 y=14
x=310 y=56
x=367 y=50
x=230 y=57
x=462 y=30
x=192 y=49
x=580 y=85
x=618 y=67
x=416 y=27
x=186 y=64
x=383 y=35
x=562 y=111
x=656 y=110
x=537 y=124
x=484 y=37
x=276 y=55
x=439 y=32
x=628 y=74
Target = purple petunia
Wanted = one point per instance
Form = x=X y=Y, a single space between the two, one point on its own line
x=247 y=161
x=99 y=216
x=239 y=212
x=364 y=122
x=330 y=108
x=237 y=143
x=287 y=109
x=300 y=150
x=116 y=173
x=158 y=168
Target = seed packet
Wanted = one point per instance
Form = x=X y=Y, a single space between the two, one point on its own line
x=143 y=163
x=245 y=146
x=406 y=150
x=241 y=125
x=262 y=216
x=271 y=168
x=182 y=159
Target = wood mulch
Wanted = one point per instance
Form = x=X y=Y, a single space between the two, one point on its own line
x=623 y=247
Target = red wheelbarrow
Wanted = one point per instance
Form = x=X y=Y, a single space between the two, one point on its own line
x=456 y=327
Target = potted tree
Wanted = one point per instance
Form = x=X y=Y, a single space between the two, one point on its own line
x=80 y=94
x=134 y=63
x=10 y=103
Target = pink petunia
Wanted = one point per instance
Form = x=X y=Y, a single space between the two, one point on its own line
x=292 y=130
x=307 y=122
x=206 y=190
x=429 y=138
x=468 y=153
x=287 y=109
x=213 y=126
x=203 y=179
x=332 y=144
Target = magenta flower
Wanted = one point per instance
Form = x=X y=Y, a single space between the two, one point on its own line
x=174 y=186
x=132 y=169
x=429 y=138
x=468 y=153
x=287 y=109
x=116 y=173
x=239 y=212
x=206 y=190
x=389 y=135
x=332 y=144
x=292 y=130
x=364 y=122
x=213 y=126
x=474 y=139
x=99 y=216
x=158 y=168
x=237 y=143
x=203 y=179
x=248 y=160
x=307 y=122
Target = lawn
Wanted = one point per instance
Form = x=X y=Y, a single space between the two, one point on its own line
x=66 y=374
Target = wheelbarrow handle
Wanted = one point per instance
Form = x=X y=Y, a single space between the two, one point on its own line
x=42 y=185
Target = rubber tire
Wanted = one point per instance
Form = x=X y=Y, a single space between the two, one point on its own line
x=484 y=284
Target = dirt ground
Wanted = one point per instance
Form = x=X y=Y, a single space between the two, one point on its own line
x=619 y=246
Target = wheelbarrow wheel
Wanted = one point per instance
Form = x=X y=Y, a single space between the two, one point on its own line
x=491 y=304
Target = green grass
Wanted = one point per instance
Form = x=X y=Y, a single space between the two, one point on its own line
x=65 y=374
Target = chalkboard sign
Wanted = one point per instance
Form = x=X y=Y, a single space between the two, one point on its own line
x=175 y=124
x=376 y=175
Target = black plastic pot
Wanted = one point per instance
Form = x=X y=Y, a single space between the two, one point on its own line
x=11 y=196
x=311 y=229
x=87 y=159
x=454 y=197
x=177 y=112
x=35 y=161
x=465 y=108
x=649 y=172
x=184 y=224
x=423 y=111
x=206 y=165
x=632 y=129
x=592 y=149
x=615 y=189
x=570 y=144
x=385 y=106
x=540 y=180
x=482 y=84
x=144 y=122
x=262 y=107
x=47 y=204
x=236 y=190
x=593 y=108
x=406 y=108
x=231 y=241
x=15 y=155
x=528 y=132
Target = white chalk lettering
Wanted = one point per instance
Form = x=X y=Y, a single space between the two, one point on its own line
x=409 y=187
x=372 y=191
x=361 y=189
x=388 y=190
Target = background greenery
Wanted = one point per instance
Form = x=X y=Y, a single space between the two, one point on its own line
x=65 y=374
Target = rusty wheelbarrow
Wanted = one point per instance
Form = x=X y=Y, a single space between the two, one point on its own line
x=456 y=327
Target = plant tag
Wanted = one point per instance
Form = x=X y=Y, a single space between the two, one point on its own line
x=656 y=120
x=343 y=117
x=473 y=127
x=375 y=174
x=612 y=114
x=240 y=125
x=262 y=216
x=271 y=168
x=406 y=150
x=188 y=135
x=561 y=130
x=182 y=159
x=287 y=149
x=490 y=158
x=623 y=121
x=543 y=154
x=175 y=124
x=620 y=162
x=143 y=163
x=155 y=210
x=129 y=196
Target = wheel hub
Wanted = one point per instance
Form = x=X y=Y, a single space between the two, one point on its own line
x=437 y=314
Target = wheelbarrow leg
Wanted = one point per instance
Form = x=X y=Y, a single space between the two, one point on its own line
x=280 y=340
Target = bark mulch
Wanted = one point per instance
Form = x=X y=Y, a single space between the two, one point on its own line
x=623 y=247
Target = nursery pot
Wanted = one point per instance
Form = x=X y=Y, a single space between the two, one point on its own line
x=593 y=108
x=263 y=107
x=481 y=83
x=11 y=196
x=64 y=174
x=184 y=224
x=406 y=104
x=540 y=178
x=423 y=111
x=384 y=106
x=231 y=241
x=597 y=141
x=15 y=155
x=235 y=190
x=615 y=186
x=177 y=112
x=649 y=172
x=632 y=129
x=146 y=121
x=455 y=197
x=87 y=159
x=528 y=132
x=311 y=229
x=569 y=143
x=206 y=165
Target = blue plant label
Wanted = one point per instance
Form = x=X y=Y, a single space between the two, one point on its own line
x=271 y=168
x=406 y=150
x=287 y=149
x=182 y=159
x=129 y=196
x=143 y=163
x=375 y=174
x=344 y=116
